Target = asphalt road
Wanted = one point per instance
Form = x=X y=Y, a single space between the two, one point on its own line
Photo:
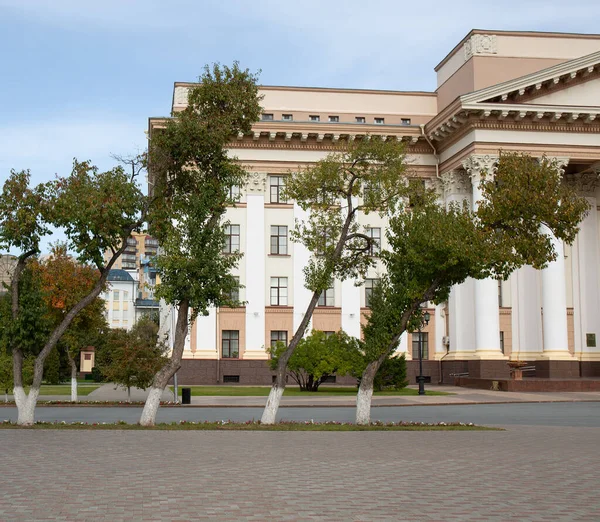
x=575 y=414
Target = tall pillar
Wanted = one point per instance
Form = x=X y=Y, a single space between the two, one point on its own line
x=586 y=263
x=554 y=296
x=255 y=267
x=461 y=312
x=487 y=310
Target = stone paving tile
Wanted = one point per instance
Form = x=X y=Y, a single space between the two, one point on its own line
x=524 y=473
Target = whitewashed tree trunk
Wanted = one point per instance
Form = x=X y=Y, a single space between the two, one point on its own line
x=161 y=379
x=128 y=393
x=150 y=410
x=5 y=395
x=363 y=404
x=74 y=397
x=73 y=379
x=26 y=405
x=270 y=413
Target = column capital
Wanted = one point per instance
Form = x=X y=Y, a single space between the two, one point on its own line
x=559 y=163
x=585 y=183
x=257 y=182
x=480 y=166
x=435 y=184
x=455 y=182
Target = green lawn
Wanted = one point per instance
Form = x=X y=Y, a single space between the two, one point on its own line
x=65 y=389
x=291 y=391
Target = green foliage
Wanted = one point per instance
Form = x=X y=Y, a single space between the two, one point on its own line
x=6 y=371
x=433 y=247
x=192 y=175
x=391 y=374
x=363 y=176
x=52 y=370
x=132 y=358
x=96 y=375
x=319 y=356
x=32 y=326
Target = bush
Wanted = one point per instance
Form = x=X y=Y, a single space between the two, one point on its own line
x=391 y=374
x=95 y=375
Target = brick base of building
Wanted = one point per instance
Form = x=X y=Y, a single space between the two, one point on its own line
x=213 y=372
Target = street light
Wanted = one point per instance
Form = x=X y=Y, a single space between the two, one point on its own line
x=420 y=378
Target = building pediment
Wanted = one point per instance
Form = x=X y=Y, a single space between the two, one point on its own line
x=566 y=93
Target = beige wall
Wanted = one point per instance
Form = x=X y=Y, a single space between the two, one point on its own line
x=327 y=319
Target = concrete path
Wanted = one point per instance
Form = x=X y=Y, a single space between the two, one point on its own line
x=110 y=392
x=523 y=474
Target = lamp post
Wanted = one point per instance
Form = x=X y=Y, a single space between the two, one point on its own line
x=420 y=378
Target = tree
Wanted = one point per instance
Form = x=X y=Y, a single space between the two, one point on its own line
x=192 y=175
x=96 y=211
x=132 y=358
x=433 y=247
x=391 y=374
x=363 y=176
x=319 y=356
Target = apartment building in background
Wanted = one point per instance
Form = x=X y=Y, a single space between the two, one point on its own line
x=515 y=91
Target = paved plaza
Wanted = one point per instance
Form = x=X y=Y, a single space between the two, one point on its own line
x=523 y=473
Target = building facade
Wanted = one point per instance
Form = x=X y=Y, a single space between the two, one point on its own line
x=514 y=91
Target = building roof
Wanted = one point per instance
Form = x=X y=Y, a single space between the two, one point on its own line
x=117 y=274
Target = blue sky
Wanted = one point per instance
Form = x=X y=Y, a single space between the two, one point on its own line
x=79 y=78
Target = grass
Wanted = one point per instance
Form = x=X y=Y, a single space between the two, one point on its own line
x=291 y=391
x=65 y=389
x=254 y=426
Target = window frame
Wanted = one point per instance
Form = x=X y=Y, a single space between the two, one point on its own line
x=279 y=186
x=278 y=338
x=369 y=284
x=360 y=119
x=375 y=246
x=229 y=235
x=280 y=247
x=334 y=118
x=314 y=117
x=227 y=337
x=276 y=296
x=379 y=121
x=327 y=298
x=267 y=116
x=415 y=345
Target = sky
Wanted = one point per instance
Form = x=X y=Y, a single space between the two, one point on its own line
x=79 y=78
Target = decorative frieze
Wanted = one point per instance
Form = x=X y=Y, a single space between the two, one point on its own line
x=559 y=163
x=180 y=97
x=456 y=182
x=257 y=183
x=481 y=44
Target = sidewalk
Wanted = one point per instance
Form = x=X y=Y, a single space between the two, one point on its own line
x=107 y=392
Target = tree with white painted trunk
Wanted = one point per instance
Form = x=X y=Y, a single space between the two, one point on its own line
x=363 y=176
x=192 y=177
x=433 y=247
x=96 y=212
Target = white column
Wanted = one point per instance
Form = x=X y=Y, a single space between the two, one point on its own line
x=206 y=335
x=461 y=313
x=403 y=347
x=526 y=314
x=255 y=267
x=301 y=256
x=487 y=311
x=586 y=263
x=554 y=297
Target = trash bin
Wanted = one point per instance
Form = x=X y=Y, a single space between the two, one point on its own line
x=186 y=396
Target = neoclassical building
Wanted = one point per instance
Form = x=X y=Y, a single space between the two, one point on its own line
x=512 y=91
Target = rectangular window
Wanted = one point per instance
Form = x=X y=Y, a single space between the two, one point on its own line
x=334 y=119
x=276 y=185
x=405 y=121
x=116 y=295
x=369 y=285
x=230 y=344
x=232 y=239
x=116 y=305
x=326 y=298
x=314 y=117
x=328 y=333
x=325 y=241
x=87 y=356
x=502 y=342
x=421 y=338
x=375 y=235
x=231 y=378
x=360 y=119
x=279 y=291
x=278 y=336
x=234 y=193
x=287 y=117
x=234 y=295
x=379 y=121
x=279 y=236
x=267 y=117
x=125 y=306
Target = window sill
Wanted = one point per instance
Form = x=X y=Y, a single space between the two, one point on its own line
x=279 y=255
x=279 y=205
